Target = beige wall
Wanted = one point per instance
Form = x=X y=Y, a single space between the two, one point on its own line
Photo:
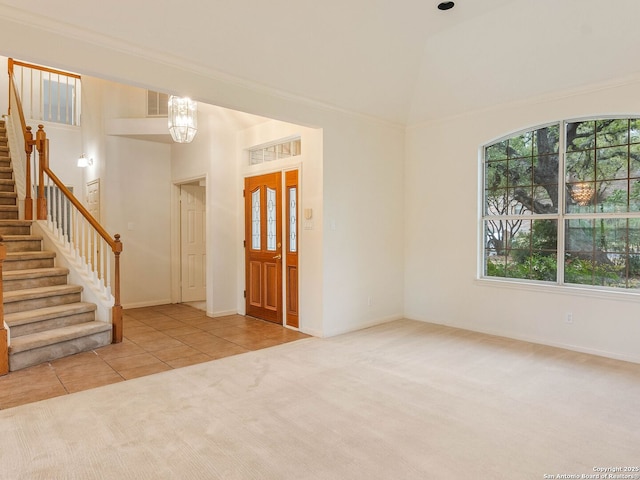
x=136 y=188
x=442 y=229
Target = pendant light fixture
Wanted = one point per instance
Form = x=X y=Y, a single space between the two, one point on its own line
x=183 y=119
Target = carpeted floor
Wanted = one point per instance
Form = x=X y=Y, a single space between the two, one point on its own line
x=404 y=400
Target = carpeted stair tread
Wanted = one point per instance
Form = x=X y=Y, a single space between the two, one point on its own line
x=40 y=292
x=41 y=314
x=34 y=273
x=58 y=335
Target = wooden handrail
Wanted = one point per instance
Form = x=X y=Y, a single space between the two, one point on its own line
x=43 y=69
x=42 y=145
x=12 y=87
x=28 y=141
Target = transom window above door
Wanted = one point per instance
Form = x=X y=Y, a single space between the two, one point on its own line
x=275 y=151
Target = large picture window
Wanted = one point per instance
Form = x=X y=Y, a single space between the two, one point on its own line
x=562 y=204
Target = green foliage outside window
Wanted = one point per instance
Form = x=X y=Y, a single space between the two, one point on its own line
x=596 y=199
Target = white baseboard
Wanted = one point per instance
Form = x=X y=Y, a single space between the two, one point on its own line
x=224 y=313
x=541 y=341
x=371 y=323
x=153 y=303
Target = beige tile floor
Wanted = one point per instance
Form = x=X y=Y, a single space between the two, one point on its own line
x=155 y=339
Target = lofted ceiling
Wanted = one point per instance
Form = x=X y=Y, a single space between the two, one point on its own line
x=404 y=61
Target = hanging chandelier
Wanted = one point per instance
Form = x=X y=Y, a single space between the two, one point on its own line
x=582 y=193
x=183 y=119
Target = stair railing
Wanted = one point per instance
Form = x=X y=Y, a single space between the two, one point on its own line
x=78 y=230
x=65 y=215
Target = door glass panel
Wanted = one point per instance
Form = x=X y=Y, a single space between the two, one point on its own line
x=255 y=220
x=293 y=219
x=271 y=219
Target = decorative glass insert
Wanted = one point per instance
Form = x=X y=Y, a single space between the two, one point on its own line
x=293 y=219
x=275 y=151
x=255 y=220
x=271 y=219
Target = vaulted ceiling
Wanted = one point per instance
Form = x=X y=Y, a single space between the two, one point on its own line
x=404 y=61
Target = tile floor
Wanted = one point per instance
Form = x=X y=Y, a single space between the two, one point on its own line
x=155 y=339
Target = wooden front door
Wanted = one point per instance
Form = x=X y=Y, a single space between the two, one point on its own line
x=263 y=237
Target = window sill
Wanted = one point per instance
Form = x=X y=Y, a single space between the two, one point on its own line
x=579 y=291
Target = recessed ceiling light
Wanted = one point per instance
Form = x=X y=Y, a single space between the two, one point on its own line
x=445 y=5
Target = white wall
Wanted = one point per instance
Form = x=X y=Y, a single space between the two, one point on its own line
x=363 y=245
x=441 y=234
x=4 y=86
x=94 y=140
x=137 y=188
x=212 y=156
x=65 y=146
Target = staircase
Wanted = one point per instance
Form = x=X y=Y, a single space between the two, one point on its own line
x=46 y=317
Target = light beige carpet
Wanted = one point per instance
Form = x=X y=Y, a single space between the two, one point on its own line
x=404 y=400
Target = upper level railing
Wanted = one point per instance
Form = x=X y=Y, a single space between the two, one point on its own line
x=47 y=94
x=65 y=216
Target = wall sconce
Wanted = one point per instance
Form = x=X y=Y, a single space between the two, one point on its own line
x=183 y=119
x=84 y=161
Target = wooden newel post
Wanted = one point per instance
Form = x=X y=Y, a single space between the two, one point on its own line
x=28 y=200
x=116 y=312
x=4 y=335
x=41 y=146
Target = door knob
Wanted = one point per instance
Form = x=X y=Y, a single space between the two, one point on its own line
x=277 y=257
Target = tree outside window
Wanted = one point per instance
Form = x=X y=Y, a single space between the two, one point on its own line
x=582 y=206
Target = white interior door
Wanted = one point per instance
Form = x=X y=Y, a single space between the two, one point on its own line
x=93 y=198
x=193 y=242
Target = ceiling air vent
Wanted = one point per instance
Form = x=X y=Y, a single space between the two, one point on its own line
x=157 y=104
